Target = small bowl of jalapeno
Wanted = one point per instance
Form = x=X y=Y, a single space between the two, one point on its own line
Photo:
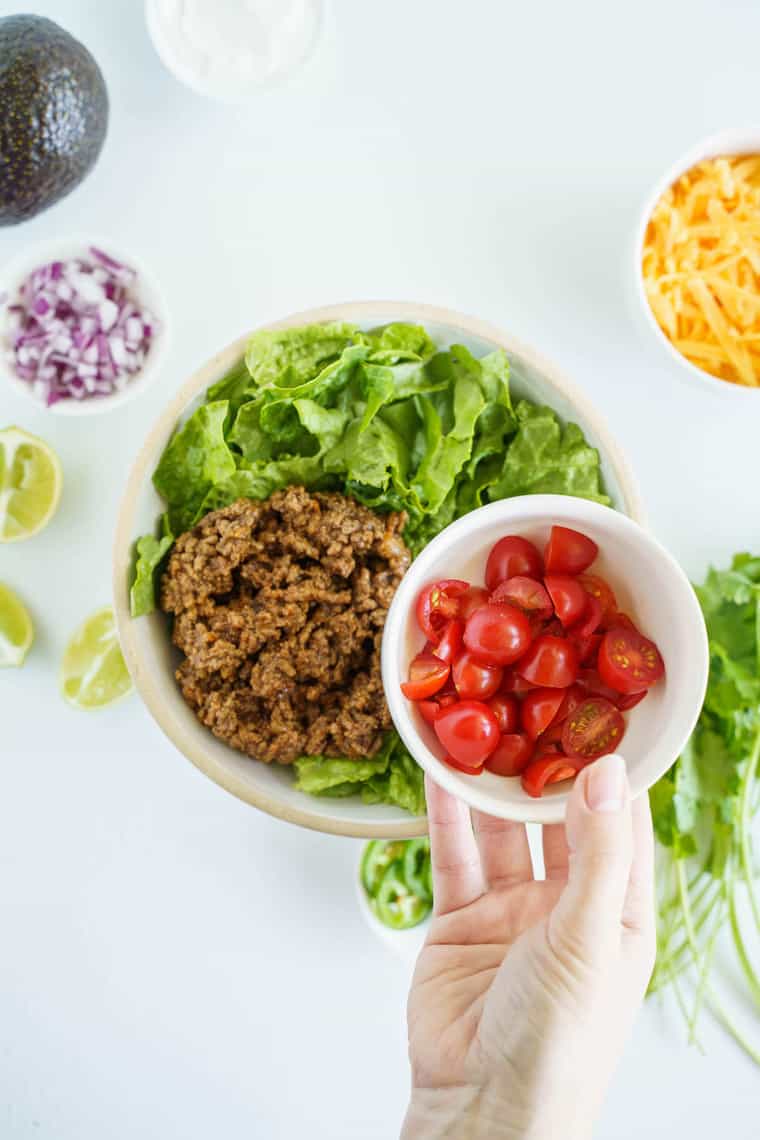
x=395 y=891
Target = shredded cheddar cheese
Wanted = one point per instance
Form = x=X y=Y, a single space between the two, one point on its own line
x=701 y=267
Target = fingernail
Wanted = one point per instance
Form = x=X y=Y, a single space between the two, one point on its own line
x=605 y=784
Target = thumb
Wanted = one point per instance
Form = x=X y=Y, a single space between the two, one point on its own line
x=586 y=922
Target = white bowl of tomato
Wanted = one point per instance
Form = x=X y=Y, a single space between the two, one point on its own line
x=533 y=636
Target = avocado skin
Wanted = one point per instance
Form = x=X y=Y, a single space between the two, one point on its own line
x=53 y=115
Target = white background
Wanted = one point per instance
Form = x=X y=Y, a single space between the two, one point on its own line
x=172 y=963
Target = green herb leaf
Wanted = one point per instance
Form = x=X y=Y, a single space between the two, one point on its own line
x=150 y=554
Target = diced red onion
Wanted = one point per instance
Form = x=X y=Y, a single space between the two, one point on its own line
x=78 y=329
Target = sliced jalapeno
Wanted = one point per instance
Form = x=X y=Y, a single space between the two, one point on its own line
x=377 y=858
x=416 y=860
x=395 y=905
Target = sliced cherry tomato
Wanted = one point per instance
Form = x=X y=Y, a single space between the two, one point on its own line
x=630 y=700
x=595 y=728
x=475 y=597
x=468 y=731
x=601 y=590
x=514 y=683
x=546 y=748
x=617 y=620
x=571 y=699
x=512 y=555
x=427 y=674
x=550 y=768
x=591 y=619
x=568 y=596
x=497 y=634
x=587 y=647
x=511 y=755
x=551 y=662
x=525 y=594
x=428 y=710
x=628 y=661
x=539 y=708
x=550 y=737
x=449 y=644
x=473 y=679
x=506 y=709
x=437 y=604
x=452 y=763
x=593 y=686
x=569 y=551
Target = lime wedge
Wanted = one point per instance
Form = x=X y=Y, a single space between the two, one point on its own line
x=30 y=484
x=93 y=673
x=16 y=629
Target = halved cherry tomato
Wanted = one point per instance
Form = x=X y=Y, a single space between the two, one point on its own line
x=568 y=596
x=497 y=634
x=551 y=737
x=595 y=728
x=591 y=619
x=427 y=674
x=551 y=662
x=525 y=594
x=617 y=620
x=568 y=551
x=510 y=556
x=437 y=604
x=601 y=590
x=593 y=686
x=475 y=597
x=539 y=708
x=428 y=710
x=630 y=700
x=587 y=647
x=449 y=643
x=572 y=697
x=546 y=748
x=473 y=679
x=452 y=763
x=551 y=768
x=514 y=683
x=511 y=755
x=506 y=709
x=468 y=731
x=629 y=662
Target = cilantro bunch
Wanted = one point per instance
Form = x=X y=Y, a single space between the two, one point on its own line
x=704 y=810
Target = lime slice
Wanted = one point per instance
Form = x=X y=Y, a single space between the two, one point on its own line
x=16 y=629
x=93 y=673
x=30 y=484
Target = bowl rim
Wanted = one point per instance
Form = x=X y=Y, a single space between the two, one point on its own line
x=552 y=507
x=729 y=141
x=15 y=268
x=358 y=312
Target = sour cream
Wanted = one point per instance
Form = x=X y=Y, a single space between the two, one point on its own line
x=227 y=48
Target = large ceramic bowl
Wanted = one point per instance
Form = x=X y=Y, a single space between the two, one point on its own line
x=145 y=641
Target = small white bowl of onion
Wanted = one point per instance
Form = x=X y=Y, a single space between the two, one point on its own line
x=83 y=326
x=697 y=261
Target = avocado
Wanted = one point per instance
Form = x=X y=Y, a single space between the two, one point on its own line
x=53 y=115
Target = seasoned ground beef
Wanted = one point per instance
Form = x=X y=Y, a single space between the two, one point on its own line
x=279 y=609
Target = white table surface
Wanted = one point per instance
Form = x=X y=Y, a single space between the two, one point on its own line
x=172 y=963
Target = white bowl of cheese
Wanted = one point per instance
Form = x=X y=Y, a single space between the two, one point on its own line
x=697 y=261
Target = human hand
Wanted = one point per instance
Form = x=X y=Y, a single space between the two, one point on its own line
x=525 y=990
